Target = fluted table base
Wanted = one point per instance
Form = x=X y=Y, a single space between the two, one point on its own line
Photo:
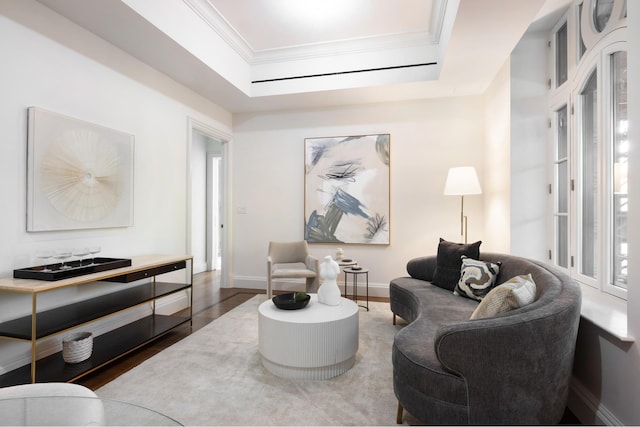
x=318 y=342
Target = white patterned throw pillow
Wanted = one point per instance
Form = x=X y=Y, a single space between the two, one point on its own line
x=476 y=278
x=514 y=293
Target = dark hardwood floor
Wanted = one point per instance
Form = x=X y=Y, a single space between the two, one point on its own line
x=209 y=302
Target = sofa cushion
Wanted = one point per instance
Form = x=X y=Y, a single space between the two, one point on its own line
x=449 y=262
x=477 y=278
x=516 y=292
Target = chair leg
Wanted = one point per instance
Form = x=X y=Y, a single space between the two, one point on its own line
x=399 y=414
x=394 y=318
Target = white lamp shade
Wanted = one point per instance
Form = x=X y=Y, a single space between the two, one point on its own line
x=462 y=181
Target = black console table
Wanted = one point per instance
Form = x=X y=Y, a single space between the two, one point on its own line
x=108 y=346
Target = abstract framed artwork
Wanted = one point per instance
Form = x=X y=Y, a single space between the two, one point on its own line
x=79 y=175
x=347 y=189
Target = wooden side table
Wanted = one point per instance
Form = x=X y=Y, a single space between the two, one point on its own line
x=355 y=272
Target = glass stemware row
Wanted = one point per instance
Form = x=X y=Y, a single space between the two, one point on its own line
x=64 y=254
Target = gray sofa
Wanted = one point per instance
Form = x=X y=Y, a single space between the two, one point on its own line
x=513 y=368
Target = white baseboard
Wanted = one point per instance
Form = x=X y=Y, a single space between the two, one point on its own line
x=587 y=408
x=173 y=303
x=257 y=282
x=199 y=267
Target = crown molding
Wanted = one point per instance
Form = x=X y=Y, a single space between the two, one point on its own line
x=380 y=43
x=212 y=17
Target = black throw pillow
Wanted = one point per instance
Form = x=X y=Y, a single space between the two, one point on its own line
x=449 y=262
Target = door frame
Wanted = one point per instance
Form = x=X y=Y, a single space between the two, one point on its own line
x=226 y=276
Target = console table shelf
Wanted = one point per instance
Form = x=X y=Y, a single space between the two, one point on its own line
x=59 y=319
x=108 y=346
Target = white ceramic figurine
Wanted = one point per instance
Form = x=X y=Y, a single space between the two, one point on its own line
x=329 y=292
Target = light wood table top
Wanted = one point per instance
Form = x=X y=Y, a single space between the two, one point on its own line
x=138 y=263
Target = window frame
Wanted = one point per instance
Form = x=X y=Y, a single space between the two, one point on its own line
x=608 y=128
x=555 y=213
x=582 y=79
x=599 y=48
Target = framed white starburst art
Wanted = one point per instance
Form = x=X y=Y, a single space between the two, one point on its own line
x=79 y=175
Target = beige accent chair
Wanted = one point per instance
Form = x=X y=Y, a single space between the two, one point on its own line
x=292 y=260
x=50 y=404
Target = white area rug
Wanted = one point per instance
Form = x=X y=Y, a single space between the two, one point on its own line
x=215 y=377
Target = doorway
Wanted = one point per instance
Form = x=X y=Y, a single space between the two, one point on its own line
x=213 y=212
x=207 y=192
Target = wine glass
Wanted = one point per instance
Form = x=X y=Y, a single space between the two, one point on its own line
x=93 y=250
x=80 y=253
x=62 y=255
x=44 y=255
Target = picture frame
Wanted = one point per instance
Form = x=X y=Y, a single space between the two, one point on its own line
x=79 y=174
x=347 y=190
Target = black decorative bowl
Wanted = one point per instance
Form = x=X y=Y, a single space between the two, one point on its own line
x=288 y=301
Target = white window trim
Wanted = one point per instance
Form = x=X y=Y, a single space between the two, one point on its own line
x=576 y=174
x=602 y=303
x=615 y=46
x=606 y=311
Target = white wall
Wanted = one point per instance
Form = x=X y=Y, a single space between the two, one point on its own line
x=70 y=71
x=497 y=162
x=529 y=136
x=52 y=63
x=427 y=137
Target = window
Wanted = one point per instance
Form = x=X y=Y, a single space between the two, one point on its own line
x=561 y=179
x=618 y=174
x=587 y=193
x=581 y=47
x=590 y=146
x=601 y=13
x=561 y=59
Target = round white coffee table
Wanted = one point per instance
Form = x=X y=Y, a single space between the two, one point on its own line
x=317 y=342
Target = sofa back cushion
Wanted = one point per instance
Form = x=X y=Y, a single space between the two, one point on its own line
x=449 y=262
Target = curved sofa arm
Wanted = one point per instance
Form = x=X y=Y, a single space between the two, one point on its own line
x=422 y=268
x=521 y=360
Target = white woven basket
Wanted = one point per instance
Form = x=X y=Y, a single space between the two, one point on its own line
x=77 y=347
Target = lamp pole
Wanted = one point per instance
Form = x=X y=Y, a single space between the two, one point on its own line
x=464 y=221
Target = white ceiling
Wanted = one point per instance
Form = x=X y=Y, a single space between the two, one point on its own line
x=371 y=51
x=278 y=24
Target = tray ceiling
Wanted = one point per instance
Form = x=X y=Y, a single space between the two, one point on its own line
x=253 y=55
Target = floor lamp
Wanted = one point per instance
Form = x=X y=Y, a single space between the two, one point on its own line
x=462 y=181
